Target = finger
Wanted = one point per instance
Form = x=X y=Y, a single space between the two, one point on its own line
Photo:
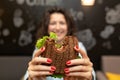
x=39 y=73
x=39 y=60
x=83 y=53
x=39 y=51
x=85 y=75
x=80 y=68
x=82 y=61
x=40 y=68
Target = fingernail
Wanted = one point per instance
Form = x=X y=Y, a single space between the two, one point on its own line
x=68 y=62
x=42 y=49
x=77 y=47
x=49 y=60
x=67 y=72
x=66 y=69
x=53 y=68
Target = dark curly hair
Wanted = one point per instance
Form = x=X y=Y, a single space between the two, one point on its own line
x=43 y=27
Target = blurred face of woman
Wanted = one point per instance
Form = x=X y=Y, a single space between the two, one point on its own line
x=58 y=25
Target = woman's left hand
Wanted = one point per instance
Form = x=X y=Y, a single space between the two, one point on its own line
x=81 y=68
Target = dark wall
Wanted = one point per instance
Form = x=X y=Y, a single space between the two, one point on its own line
x=98 y=26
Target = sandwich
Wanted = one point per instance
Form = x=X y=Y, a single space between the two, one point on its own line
x=59 y=53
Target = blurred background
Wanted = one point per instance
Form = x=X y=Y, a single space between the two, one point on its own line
x=98 y=26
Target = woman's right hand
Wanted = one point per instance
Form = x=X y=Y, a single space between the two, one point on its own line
x=36 y=69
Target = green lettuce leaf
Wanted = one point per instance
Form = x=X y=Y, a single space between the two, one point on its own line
x=40 y=42
x=57 y=75
x=53 y=35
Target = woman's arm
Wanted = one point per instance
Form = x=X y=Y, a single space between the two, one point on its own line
x=84 y=49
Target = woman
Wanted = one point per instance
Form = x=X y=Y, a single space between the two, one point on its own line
x=59 y=21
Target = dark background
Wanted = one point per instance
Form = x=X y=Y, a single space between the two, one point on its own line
x=91 y=22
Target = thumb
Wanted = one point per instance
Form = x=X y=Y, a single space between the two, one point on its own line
x=39 y=51
x=83 y=53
